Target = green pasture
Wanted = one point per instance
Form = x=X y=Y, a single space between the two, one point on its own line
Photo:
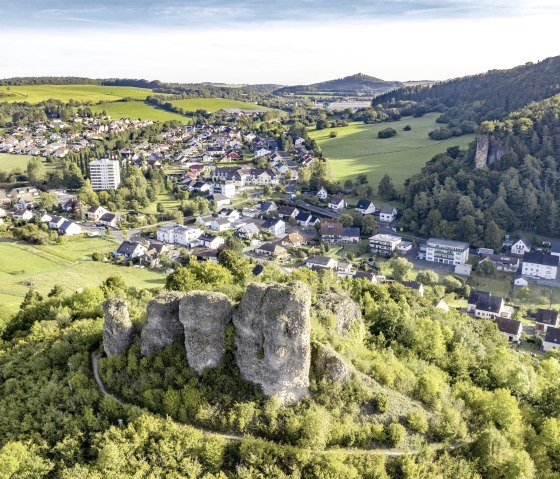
x=357 y=149
x=85 y=93
x=68 y=264
x=137 y=109
x=214 y=104
x=9 y=162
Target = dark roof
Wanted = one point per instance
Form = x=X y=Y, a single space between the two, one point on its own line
x=547 y=316
x=508 y=326
x=331 y=228
x=364 y=204
x=286 y=210
x=388 y=209
x=413 y=285
x=552 y=335
x=486 y=301
x=364 y=274
x=258 y=269
x=555 y=248
x=271 y=247
x=64 y=226
x=303 y=216
x=351 y=231
x=537 y=257
x=127 y=247
x=265 y=205
x=269 y=223
x=336 y=200
x=322 y=260
x=207 y=237
x=108 y=217
x=526 y=242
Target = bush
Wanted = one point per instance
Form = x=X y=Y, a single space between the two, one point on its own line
x=440 y=134
x=333 y=134
x=395 y=433
x=407 y=128
x=387 y=133
x=417 y=421
x=98 y=256
x=381 y=403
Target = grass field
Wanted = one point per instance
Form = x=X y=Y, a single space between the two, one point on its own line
x=214 y=104
x=9 y=162
x=137 y=109
x=357 y=149
x=93 y=93
x=69 y=264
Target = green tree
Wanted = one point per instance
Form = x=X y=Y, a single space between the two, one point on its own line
x=401 y=267
x=346 y=220
x=36 y=171
x=369 y=225
x=386 y=188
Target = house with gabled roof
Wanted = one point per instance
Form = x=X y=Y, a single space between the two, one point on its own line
x=510 y=329
x=366 y=207
x=551 y=339
x=545 y=318
x=521 y=246
x=388 y=214
x=319 y=263
x=337 y=203
x=540 y=265
x=130 y=250
x=69 y=228
x=482 y=304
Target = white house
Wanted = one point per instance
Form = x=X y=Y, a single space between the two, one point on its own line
x=388 y=214
x=337 y=203
x=540 y=265
x=447 y=251
x=96 y=212
x=383 y=244
x=322 y=194
x=211 y=241
x=56 y=222
x=130 y=250
x=226 y=188
x=69 y=228
x=551 y=339
x=545 y=318
x=247 y=231
x=366 y=207
x=275 y=227
x=488 y=306
x=510 y=329
x=176 y=234
x=320 y=262
x=521 y=246
x=220 y=224
x=22 y=215
x=109 y=219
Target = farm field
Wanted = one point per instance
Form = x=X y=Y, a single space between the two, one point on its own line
x=9 y=162
x=69 y=264
x=214 y=104
x=137 y=109
x=357 y=149
x=93 y=93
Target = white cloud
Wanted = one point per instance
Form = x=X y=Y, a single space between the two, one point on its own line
x=283 y=52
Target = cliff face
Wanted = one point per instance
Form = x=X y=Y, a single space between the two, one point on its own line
x=346 y=313
x=117 y=328
x=163 y=323
x=204 y=316
x=488 y=150
x=272 y=338
x=329 y=365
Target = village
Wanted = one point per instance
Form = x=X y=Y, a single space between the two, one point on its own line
x=256 y=203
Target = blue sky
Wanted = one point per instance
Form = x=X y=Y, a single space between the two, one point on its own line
x=288 y=42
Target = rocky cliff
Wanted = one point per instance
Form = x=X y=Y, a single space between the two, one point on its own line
x=204 y=316
x=117 y=328
x=488 y=150
x=329 y=365
x=272 y=338
x=163 y=323
x=345 y=313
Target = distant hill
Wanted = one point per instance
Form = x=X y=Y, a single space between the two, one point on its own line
x=359 y=84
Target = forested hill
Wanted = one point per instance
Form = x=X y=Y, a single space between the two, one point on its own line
x=358 y=84
x=487 y=96
x=451 y=198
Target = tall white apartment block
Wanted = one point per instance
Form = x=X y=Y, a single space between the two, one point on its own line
x=105 y=174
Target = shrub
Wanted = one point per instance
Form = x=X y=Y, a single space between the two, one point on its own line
x=440 y=134
x=417 y=421
x=387 y=133
x=396 y=434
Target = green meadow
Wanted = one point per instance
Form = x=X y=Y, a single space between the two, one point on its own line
x=9 y=162
x=68 y=264
x=137 y=109
x=357 y=149
x=91 y=93
x=214 y=104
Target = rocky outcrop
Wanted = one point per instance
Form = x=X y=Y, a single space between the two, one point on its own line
x=346 y=313
x=329 y=365
x=272 y=338
x=488 y=150
x=204 y=316
x=163 y=323
x=117 y=328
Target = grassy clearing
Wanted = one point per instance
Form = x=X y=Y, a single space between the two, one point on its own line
x=214 y=104
x=357 y=149
x=9 y=162
x=137 y=109
x=93 y=93
x=69 y=264
x=169 y=202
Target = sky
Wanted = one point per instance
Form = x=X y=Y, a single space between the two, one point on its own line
x=265 y=41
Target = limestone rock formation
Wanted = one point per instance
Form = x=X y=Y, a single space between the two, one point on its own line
x=488 y=150
x=329 y=365
x=346 y=312
x=204 y=316
x=272 y=338
x=117 y=328
x=163 y=323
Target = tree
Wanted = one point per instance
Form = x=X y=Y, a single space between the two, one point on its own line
x=49 y=201
x=387 y=133
x=36 y=171
x=346 y=220
x=237 y=264
x=487 y=268
x=427 y=277
x=401 y=267
x=369 y=225
x=386 y=188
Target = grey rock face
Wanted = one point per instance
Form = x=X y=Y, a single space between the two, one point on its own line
x=347 y=313
x=329 y=365
x=163 y=323
x=204 y=316
x=117 y=328
x=272 y=338
x=488 y=150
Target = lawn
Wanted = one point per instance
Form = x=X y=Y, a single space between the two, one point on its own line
x=357 y=149
x=69 y=264
x=214 y=104
x=9 y=162
x=169 y=202
x=137 y=109
x=92 y=93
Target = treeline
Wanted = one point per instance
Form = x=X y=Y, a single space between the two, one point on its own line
x=520 y=190
x=488 y=96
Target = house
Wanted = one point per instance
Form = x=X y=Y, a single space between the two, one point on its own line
x=322 y=194
x=320 y=262
x=205 y=220
x=69 y=228
x=109 y=219
x=293 y=239
x=366 y=207
x=206 y=254
x=247 y=231
x=521 y=246
x=416 y=286
x=272 y=250
x=404 y=247
x=153 y=254
x=508 y=264
x=337 y=203
x=226 y=188
x=211 y=241
x=219 y=199
x=544 y=319
x=96 y=212
x=551 y=339
x=43 y=217
x=335 y=232
x=275 y=227
x=555 y=249
x=229 y=214
x=130 y=250
x=540 y=265
x=388 y=214
x=520 y=280
x=56 y=222
x=176 y=234
x=267 y=207
x=463 y=269
x=510 y=329
x=383 y=244
x=287 y=212
x=442 y=305
x=304 y=219
x=2 y=212
x=368 y=276
x=22 y=214
x=220 y=224
x=486 y=305
x=447 y=251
